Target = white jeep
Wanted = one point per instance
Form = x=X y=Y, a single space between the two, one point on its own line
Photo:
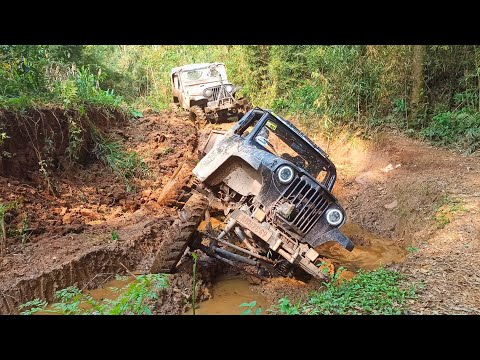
x=204 y=90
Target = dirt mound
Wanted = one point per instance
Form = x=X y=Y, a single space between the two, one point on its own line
x=177 y=298
x=276 y=288
x=46 y=134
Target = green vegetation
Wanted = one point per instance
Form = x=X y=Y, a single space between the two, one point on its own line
x=428 y=91
x=33 y=76
x=24 y=231
x=114 y=235
x=132 y=301
x=447 y=207
x=250 y=307
x=375 y=292
x=124 y=164
x=3 y=137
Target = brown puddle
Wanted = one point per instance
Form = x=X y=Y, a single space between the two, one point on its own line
x=227 y=295
x=370 y=252
x=105 y=292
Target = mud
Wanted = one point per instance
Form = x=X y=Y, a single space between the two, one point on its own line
x=69 y=237
x=391 y=187
x=177 y=298
x=371 y=251
x=394 y=187
x=228 y=293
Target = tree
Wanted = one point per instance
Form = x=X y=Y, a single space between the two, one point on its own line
x=418 y=81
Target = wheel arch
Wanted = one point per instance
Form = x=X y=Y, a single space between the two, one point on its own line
x=237 y=174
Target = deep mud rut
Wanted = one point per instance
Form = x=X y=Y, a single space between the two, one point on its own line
x=69 y=240
x=392 y=189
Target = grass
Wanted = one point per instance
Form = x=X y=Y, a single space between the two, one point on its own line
x=447 y=207
x=114 y=235
x=24 y=231
x=167 y=150
x=132 y=301
x=124 y=164
x=375 y=292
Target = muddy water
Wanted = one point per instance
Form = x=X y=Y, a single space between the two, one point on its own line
x=371 y=251
x=227 y=295
x=105 y=292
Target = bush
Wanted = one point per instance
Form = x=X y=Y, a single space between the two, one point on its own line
x=374 y=292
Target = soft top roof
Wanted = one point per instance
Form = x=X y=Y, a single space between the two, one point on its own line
x=193 y=67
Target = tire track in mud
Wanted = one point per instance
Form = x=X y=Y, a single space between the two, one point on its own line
x=88 y=259
x=89 y=268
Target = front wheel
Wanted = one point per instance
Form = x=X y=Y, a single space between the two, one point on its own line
x=198 y=116
x=178 y=238
x=244 y=108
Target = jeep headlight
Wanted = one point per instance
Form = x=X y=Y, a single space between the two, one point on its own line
x=285 y=174
x=208 y=93
x=334 y=217
x=229 y=88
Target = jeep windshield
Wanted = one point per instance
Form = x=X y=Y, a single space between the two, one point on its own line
x=279 y=140
x=203 y=75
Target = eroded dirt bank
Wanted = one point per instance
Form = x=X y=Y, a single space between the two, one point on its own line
x=94 y=227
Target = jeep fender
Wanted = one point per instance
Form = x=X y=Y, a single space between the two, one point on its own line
x=225 y=149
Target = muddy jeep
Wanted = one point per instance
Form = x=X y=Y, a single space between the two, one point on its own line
x=270 y=187
x=204 y=90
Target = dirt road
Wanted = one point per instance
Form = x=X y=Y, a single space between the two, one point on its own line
x=427 y=201
x=408 y=204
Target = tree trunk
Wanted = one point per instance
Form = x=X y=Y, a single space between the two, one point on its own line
x=418 y=82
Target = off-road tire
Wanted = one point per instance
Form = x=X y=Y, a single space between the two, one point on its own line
x=246 y=107
x=198 y=116
x=182 y=230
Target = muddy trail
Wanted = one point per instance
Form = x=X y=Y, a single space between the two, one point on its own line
x=410 y=206
x=94 y=227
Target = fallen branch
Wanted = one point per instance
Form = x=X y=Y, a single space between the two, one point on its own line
x=129 y=271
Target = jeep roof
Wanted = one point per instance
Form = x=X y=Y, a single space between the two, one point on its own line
x=296 y=131
x=193 y=67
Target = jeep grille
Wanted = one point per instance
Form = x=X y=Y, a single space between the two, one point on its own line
x=309 y=201
x=217 y=93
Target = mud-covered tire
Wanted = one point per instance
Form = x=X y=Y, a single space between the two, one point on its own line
x=242 y=110
x=182 y=230
x=198 y=116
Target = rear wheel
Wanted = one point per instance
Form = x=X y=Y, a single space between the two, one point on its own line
x=198 y=116
x=182 y=231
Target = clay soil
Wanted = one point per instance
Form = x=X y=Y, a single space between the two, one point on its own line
x=67 y=239
x=410 y=206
